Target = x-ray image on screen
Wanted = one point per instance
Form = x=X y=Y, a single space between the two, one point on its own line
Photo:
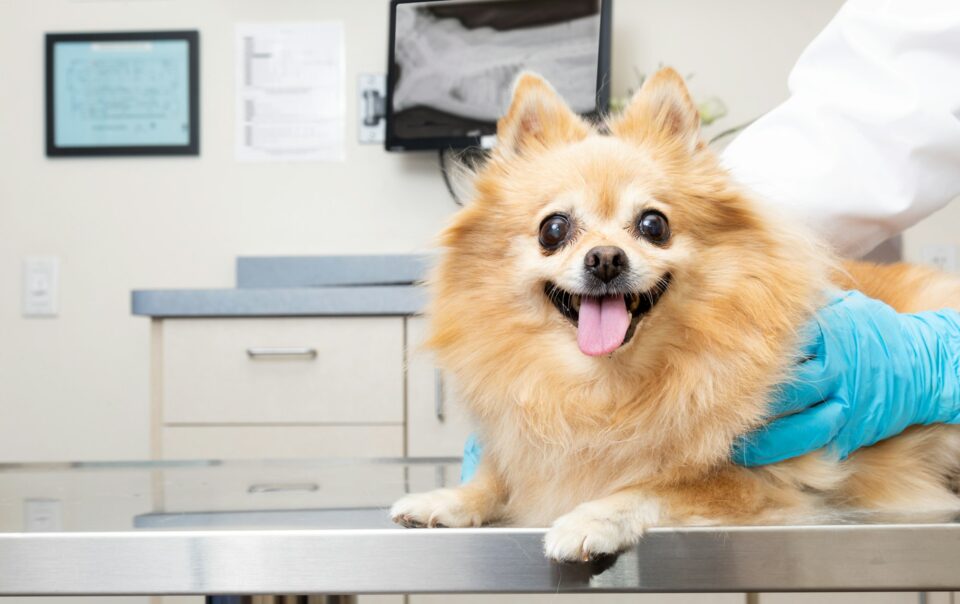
x=455 y=62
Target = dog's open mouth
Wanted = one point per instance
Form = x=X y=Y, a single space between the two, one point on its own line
x=605 y=323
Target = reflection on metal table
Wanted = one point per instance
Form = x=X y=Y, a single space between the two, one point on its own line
x=321 y=527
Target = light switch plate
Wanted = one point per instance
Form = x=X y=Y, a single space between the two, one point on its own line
x=372 y=100
x=41 y=286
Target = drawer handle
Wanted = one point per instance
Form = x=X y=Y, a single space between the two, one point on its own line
x=438 y=395
x=282 y=352
x=280 y=487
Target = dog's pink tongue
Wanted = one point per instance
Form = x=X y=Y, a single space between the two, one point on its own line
x=602 y=325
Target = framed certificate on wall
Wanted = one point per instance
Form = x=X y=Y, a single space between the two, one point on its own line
x=122 y=93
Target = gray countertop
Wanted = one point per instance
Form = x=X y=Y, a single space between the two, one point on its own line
x=286 y=302
x=287 y=286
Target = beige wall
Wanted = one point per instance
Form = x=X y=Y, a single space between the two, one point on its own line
x=75 y=387
x=939 y=229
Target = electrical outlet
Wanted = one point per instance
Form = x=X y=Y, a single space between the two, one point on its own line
x=942 y=256
x=41 y=277
x=42 y=515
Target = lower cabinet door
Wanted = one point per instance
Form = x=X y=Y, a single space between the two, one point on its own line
x=437 y=422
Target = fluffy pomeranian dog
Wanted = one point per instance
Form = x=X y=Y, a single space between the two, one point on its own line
x=616 y=311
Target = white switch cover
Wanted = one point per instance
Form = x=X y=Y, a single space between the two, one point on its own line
x=41 y=276
x=371 y=96
x=942 y=256
x=42 y=515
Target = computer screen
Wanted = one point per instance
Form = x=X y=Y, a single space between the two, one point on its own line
x=452 y=64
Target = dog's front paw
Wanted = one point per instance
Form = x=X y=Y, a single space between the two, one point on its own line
x=583 y=535
x=440 y=508
x=596 y=529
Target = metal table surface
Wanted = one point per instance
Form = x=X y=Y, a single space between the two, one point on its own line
x=167 y=528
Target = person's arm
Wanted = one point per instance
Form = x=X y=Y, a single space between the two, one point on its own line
x=869 y=141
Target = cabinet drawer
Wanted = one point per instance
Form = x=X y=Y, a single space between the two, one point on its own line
x=301 y=370
x=262 y=485
x=279 y=442
x=437 y=423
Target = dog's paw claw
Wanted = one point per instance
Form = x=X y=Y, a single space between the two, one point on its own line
x=407 y=521
x=442 y=508
x=589 y=533
x=570 y=542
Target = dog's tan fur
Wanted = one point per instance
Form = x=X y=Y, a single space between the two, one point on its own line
x=601 y=448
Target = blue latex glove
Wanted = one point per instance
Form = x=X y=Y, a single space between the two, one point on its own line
x=472 y=449
x=871 y=373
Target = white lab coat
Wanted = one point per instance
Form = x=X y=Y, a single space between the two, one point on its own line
x=869 y=141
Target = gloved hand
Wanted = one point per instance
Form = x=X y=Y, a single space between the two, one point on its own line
x=871 y=373
x=472 y=449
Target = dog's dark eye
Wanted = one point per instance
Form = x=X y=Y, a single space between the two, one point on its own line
x=653 y=226
x=554 y=230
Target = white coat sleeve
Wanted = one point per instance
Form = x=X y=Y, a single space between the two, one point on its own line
x=868 y=142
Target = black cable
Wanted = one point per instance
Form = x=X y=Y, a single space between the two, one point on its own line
x=446 y=177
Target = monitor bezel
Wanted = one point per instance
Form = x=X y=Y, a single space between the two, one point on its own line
x=192 y=147
x=397 y=143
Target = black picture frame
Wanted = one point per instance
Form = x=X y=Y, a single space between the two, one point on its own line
x=192 y=147
x=392 y=142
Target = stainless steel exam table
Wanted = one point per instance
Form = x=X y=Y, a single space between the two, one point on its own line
x=320 y=527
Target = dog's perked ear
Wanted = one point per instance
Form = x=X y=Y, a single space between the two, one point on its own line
x=537 y=119
x=661 y=113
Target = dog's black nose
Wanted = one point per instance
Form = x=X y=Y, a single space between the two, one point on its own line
x=605 y=262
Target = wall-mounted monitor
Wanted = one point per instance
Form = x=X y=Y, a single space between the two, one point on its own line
x=122 y=93
x=451 y=64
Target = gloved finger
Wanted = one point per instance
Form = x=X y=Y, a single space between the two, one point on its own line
x=472 y=449
x=814 y=380
x=811 y=383
x=791 y=436
x=811 y=340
